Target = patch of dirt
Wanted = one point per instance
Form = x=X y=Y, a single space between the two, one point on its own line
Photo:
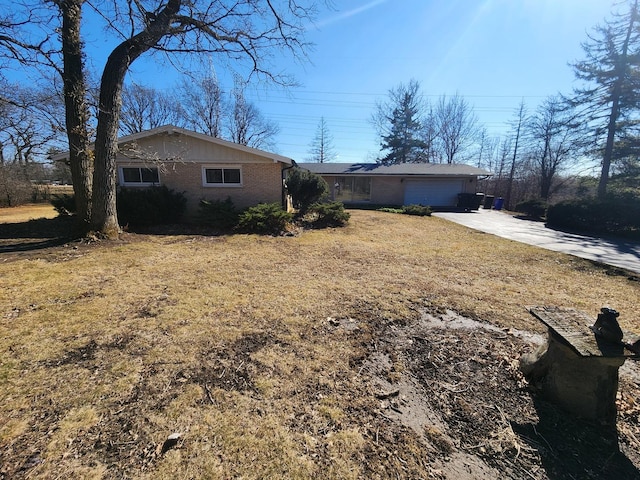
x=123 y=440
x=85 y=355
x=231 y=368
x=456 y=383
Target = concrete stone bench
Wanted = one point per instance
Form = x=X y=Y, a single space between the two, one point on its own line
x=577 y=368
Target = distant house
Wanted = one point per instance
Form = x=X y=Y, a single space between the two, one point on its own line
x=432 y=184
x=201 y=166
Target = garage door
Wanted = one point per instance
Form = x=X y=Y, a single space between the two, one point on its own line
x=435 y=193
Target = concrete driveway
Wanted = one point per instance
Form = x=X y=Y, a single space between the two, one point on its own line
x=619 y=253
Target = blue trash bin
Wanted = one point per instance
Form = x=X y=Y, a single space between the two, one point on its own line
x=499 y=203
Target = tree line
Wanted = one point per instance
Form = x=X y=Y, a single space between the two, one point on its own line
x=598 y=121
x=48 y=40
x=31 y=125
x=201 y=105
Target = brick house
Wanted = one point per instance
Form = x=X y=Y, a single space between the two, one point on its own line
x=433 y=184
x=200 y=166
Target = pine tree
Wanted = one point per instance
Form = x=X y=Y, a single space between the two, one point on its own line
x=322 y=149
x=611 y=102
x=399 y=124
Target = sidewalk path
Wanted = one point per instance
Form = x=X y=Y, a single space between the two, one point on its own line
x=619 y=253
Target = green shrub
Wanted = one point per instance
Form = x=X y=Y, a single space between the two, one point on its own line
x=305 y=188
x=419 y=210
x=612 y=216
x=330 y=214
x=264 y=218
x=534 y=208
x=64 y=204
x=218 y=213
x=150 y=206
x=625 y=193
x=391 y=210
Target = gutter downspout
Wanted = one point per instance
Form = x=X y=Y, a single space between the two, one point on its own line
x=282 y=174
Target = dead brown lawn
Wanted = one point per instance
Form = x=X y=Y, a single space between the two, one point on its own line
x=25 y=213
x=108 y=348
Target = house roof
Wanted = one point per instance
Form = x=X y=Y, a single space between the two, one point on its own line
x=404 y=169
x=173 y=130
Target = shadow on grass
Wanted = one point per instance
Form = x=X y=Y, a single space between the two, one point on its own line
x=36 y=234
x=177 y=229
x=571 y=448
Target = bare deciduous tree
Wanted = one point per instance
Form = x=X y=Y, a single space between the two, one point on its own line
x=203 y=105
x=556 y=141
x=456 y=126
x=247 y=126
x=517 y=125
x=246 y=32
x=28 y=127
x=144 y=108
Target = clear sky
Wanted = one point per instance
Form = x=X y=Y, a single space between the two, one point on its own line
x=492 y=52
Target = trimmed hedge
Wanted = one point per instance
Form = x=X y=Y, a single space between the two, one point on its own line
x=137 y=206
x=218 y=213
x=535 y=208
x=419 y=210
x=150 y=206
x=617 y=217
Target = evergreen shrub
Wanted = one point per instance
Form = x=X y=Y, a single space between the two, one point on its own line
x=64 y=204
x=150 y=206
x=305 y=188
x=218 y=213
x=419 y=210
x=330 y=214
x=264 y=218
x=534 y=208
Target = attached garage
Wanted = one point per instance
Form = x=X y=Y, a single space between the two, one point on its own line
x=437 y=192
x=435 y=185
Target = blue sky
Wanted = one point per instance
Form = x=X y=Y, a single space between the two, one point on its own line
x=492 y=52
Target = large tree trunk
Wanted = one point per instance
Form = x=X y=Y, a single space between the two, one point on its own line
x=512 y=170
x=608 y=149
x=104 y=215
x=104 y=218
x=615 y=106
x=77 y=113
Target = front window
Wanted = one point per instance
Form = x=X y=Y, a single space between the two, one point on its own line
x=139 y=176
x=222 y=176
x=352 y=189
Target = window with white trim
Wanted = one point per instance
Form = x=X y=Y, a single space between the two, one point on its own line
x=222 y=176
x=139 y=176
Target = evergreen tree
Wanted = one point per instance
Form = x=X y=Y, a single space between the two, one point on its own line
x=611 y=101
x=305 y=188
x=322 y=146
x=400 y=126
